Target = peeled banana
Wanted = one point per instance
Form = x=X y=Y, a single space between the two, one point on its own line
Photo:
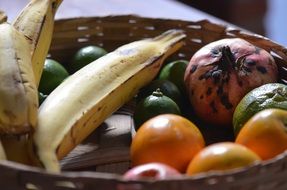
x=84 y=100
x=36 y=23
x=18 y=91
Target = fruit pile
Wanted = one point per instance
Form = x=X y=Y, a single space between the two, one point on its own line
x=227 y=87
x=228 y=84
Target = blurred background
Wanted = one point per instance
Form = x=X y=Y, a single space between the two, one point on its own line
x=265 y=17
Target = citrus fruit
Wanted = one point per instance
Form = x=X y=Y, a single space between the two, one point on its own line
x=153 y=105
x=167 y=138
x=265 y=133
x=221 y=157
x=174 y=72
x=53 y=74
x=166 y=87
x=272 y=95
x=86 y=55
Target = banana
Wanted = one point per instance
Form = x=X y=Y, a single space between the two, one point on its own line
x=18 y=91
x=36 y=23
x=84 y=100
x=3 y=17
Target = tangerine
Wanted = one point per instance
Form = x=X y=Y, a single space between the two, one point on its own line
x=167 y=138
x=265 y=133
x=221 y=157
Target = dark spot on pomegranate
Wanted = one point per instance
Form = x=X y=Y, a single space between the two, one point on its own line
x=215 y=53
x=250 y=62
x=226 y=79
x=261 y=69
x=201 y=97
x=208 y=74
x=247 y=69
x=225 y=101
x=240 y=83
x=209 y=91
x=201 y=77
x=213 y=108
x=193 y=68
x=216 y=74
x=219 y=90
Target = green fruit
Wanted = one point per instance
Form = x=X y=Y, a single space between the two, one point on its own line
x=86 y=55
x=272 y=95
x=174 y=72
x=53 y=75
x=166 y=87
x=154 y=105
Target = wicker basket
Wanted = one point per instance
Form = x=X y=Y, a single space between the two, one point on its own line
x=111 y=32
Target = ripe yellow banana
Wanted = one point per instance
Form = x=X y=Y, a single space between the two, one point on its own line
x=84 y=100
x=36 y=22
x=18 y=91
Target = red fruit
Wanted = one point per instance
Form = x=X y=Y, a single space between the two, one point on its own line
x=221 y=73
x=151 y=170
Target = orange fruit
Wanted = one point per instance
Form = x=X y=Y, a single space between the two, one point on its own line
x=265 y=133
x=221 y=157
x=169 y=139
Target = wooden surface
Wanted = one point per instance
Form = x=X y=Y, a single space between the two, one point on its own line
x=153 y=8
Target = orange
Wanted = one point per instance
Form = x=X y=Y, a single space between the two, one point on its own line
x=169 y=139
x=265 y=133
x=221 y=157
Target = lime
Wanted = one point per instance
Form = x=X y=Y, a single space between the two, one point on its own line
x=86 y=55
x=166 y=87
x=272 y=95
x=174 y=72
x=153 y=105
x=53 y=74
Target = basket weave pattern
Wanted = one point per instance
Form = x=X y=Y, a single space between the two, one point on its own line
x=111 y=32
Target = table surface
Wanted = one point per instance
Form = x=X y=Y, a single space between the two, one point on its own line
x=154 y=8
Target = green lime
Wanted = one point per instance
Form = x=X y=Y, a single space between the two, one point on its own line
x=166 y=87
x=42 y=97
x=153 y=105
x=86 y=55
x=174 y=72
x=272 y=95
x=53 y=75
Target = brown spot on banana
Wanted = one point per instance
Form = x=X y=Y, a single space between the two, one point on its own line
x=36 y=23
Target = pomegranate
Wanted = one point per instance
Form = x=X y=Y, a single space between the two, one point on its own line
x=221 y=73
x=152 y=170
